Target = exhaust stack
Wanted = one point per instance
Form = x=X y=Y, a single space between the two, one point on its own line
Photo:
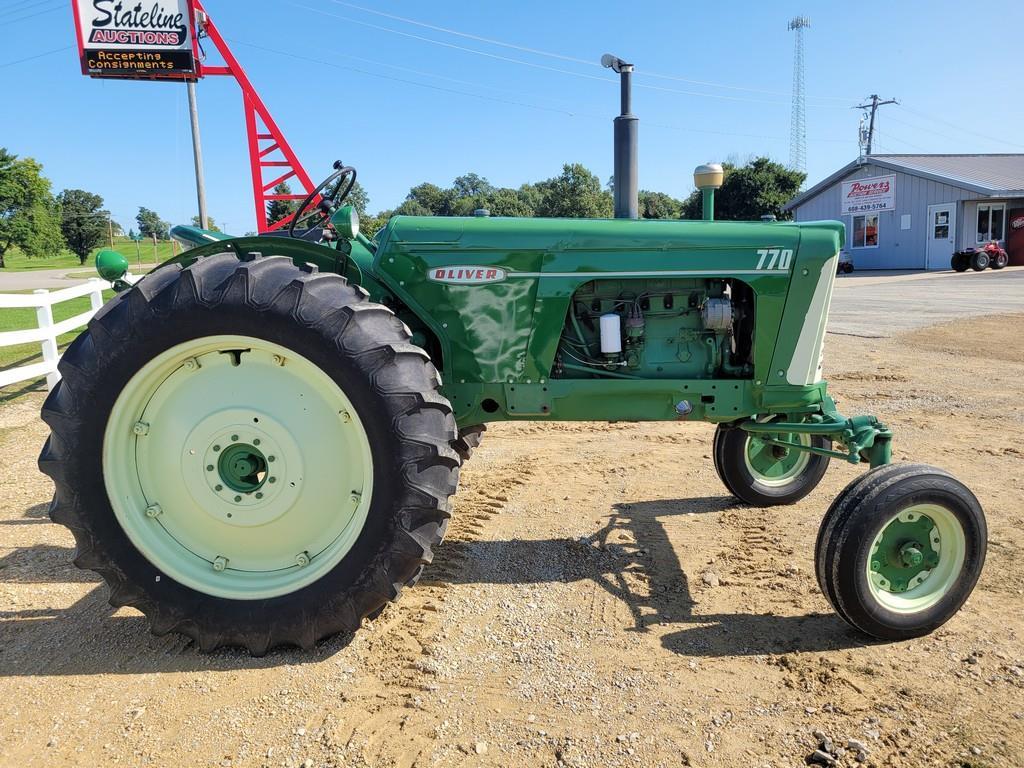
x=627 y=124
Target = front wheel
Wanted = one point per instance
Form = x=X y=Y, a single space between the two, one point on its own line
x=763 y=474
x=250 y=453
x=900 y=550
x=1000 y=260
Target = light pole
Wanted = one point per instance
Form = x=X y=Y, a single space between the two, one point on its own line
x=626 y=129
x=707 y=178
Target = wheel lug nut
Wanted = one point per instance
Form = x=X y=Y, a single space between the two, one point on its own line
x=256 y=441
x=271 y=458
x=154 y=510
x=220 y=563
x=238 y=498
x=302 y=559
x=271 y=479
x=234 y=438
x=259 y=495
x=140 y=428
x=218 y=487
x=209 y=467
x=216 y=448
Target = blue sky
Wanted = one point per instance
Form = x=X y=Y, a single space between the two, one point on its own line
x=404 y=109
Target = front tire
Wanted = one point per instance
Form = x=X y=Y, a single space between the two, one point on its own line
x=250 y=453
x=764 y=475
x=1000 y=260
x=900 y=550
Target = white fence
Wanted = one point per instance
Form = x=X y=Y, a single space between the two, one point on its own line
x=47 y=330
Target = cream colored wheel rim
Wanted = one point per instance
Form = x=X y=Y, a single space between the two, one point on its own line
x=281 y=511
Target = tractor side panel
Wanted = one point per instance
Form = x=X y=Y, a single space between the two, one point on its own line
x=498 y=293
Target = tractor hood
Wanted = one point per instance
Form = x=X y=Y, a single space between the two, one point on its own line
x=534 y=234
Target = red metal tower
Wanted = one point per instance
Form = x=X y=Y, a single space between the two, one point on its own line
x=271 y=158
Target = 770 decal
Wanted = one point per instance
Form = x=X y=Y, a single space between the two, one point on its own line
x=774 y=259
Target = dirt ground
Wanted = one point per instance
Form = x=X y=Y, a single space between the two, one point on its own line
x=600 y=601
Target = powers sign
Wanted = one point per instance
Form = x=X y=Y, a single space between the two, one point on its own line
x=877 y=193
x=136 y=38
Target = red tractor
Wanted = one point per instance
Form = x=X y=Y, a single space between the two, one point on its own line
x=992 y=255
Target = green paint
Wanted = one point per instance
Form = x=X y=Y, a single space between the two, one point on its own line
x=903 y=551
x=111 y=265
x=916 y=558
x=776 y=464
x=515 y=348
x=242 y=467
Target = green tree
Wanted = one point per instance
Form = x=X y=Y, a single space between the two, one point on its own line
x=412 y=208
x=658 y=205
x=83 y=222
x=575 y=193
x=150 y=224
x=358 y=199
x=751 y=191
x=210 y=223
x=278 y=209
x=432 y=198
x=471 y=185
x=508 y=202
x=28 y=212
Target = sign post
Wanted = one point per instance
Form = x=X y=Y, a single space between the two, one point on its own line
x=154 y=41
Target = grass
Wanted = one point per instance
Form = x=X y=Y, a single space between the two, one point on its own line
x=16 y=261
x=19 y=318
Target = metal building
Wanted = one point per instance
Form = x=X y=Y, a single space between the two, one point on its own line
x=914 y=211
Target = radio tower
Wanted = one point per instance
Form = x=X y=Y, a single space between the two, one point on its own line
x=798 y=121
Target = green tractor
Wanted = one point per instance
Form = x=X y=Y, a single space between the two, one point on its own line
x=257 y=443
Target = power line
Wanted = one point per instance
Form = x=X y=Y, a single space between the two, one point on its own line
x=962 y=129
x=9 y=22
x=511 y=60
x=566 y=111
x=10 y=10
x=36 y=56
x=560 y=56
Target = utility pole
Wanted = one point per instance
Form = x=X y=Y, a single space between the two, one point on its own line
x=197 y=153
x=873 y=105
x=798 y=119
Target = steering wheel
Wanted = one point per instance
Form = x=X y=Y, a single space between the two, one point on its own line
x=314 y=217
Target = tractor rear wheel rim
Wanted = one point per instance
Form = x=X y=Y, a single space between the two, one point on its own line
x=776 y=465
x=916 y=558
x=237 y=467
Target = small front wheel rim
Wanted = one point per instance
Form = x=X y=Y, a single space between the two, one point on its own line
x=774 y=465
x=916 y=558
x=237 y=467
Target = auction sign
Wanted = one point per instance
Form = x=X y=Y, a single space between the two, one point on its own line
x=147 y=39
x=877 y=193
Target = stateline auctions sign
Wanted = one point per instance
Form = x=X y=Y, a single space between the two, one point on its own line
x=136 y=38
x=877 y=193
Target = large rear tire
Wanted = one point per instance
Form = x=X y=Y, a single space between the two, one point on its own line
x=979 y=261
x=250 y=453
x=469 y=440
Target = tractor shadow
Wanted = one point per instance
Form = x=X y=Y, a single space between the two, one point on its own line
x=633 y=560
x=71 y=629
x=630 y=557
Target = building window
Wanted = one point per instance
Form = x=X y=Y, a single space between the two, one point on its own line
x=865 y=231
x=990 y=221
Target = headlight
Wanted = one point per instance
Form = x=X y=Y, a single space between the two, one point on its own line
x=346 y=222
